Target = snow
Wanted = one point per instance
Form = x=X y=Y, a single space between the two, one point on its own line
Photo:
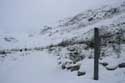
x=58 y=34
x=28 y=15
x=41 y=67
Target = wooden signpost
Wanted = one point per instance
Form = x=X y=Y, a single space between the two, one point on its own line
x=96 y=53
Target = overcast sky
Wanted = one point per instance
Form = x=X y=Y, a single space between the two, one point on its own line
x=25 y=15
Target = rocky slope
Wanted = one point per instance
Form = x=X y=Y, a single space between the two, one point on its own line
x=72 y=40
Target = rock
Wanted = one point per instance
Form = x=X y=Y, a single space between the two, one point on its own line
x=63 y=66
x=79 y=73
x=90 y=57
x=104 y=63
x=71 y=49
x=21 y=50
x=59 y=62
x=74 y=68
x=2 y=52
x=90 y=19
x=25 y=49
x=122 y=65
x=66 y=65
x=112 y=68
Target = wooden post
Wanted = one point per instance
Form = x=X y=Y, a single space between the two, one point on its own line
x=96 y=53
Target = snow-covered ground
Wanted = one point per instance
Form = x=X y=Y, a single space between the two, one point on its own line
x=41 y=67
x=39 y=56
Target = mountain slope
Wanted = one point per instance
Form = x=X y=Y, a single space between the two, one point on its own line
x=75 y=28
x=64 y=53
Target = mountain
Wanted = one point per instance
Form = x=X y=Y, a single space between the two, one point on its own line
x=66 y=51
x=76 y=28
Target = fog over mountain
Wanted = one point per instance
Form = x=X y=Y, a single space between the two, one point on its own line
x=19 y=16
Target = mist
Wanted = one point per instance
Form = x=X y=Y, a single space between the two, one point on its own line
x=19 y=16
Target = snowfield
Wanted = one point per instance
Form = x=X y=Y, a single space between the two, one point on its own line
x=64 y=53
x=41 y=67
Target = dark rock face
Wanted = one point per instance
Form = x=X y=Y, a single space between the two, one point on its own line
x=122 y=65
x=81 y=73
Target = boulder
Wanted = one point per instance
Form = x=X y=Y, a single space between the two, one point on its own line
x=74 y=68
x=79 y=73
x=104 y=63
x=122 y=65
x=111 y=68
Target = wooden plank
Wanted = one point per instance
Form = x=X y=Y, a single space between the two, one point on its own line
x=96 y=53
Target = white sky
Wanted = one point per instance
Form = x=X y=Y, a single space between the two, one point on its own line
x=26 y=15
